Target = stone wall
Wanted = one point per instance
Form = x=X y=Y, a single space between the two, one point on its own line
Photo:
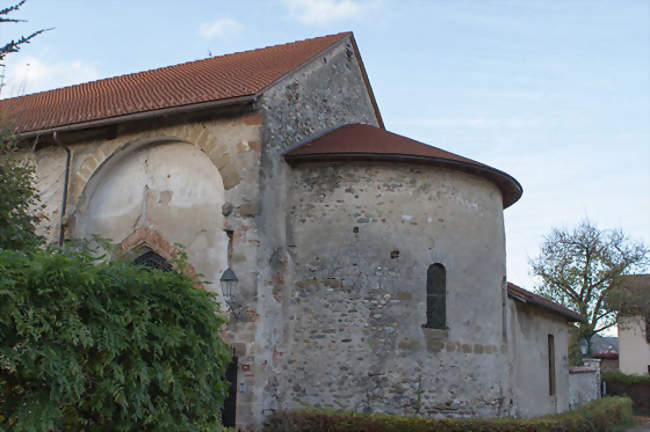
x=584 y=383
x=363 y=235
x=323 y=93
x=237 y=182
x=529 y=329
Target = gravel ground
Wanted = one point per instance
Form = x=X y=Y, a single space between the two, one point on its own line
x=643 y=424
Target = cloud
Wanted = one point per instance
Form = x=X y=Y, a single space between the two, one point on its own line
x=326 y=11
x=220 y=28
x=30 y=75
x=471 y=122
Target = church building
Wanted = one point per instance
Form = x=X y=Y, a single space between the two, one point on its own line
x=365 y=270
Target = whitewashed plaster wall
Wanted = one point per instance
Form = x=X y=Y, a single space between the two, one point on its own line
x=171 y=188
x=633 y=346
x=529 y=328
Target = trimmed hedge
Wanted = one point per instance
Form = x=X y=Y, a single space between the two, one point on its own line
x=599 y=416
x=625 y=379
x=636 y=387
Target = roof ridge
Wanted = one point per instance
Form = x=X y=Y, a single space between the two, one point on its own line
x=162 y=68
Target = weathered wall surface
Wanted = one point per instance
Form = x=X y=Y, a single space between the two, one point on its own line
x=170 y=188
x=156 y=184
x=633 y=347
x=324 y=93
x=107 y=195
x=363 y=236
x=584 y=383
x=529 y=328
x=50 y=170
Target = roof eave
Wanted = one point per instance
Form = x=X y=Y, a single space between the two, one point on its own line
x=142 y=115
x=572 y=317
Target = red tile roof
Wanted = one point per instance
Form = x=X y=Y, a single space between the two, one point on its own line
x=216 y=78
x=361 y=141
x=581 y=369
x=611 y=355
x=518 y=293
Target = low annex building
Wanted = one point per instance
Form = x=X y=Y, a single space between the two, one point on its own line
x=371 y=267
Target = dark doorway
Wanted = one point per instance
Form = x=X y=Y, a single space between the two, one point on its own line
x=229 y=410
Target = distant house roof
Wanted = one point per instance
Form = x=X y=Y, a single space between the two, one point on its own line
x=222 y=78
x=611 y=355
x=518 y=293
x=366 y=142
x=603 y=344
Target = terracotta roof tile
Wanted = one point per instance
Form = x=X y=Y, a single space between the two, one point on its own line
x=361 y=141
x=611 y=355
x=216 y=78
x=524 y=295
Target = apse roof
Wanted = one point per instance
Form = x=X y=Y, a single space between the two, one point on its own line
x=224 y=77
x=362 y=141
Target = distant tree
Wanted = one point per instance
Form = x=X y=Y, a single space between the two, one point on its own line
x=14 y=46
x=582 y=268
x=20 y=199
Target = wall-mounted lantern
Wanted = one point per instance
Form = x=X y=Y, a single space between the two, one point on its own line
x=229 y=283
x=584 y=346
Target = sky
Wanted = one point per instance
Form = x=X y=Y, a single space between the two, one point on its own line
x=555 y=93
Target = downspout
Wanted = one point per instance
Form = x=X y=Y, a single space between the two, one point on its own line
x=35 y=144
x=66 y=180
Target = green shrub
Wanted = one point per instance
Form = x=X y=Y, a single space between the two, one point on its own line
x=599 y=416
x=86 y=345
x=637 y=387
x=19 y=199
x=625 y=379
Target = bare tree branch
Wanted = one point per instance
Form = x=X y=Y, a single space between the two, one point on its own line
x=14 y=46
x=605 y=327
x=13 y=8
x=582 y=267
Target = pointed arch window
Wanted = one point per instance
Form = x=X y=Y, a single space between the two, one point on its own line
x=153 y=260
x=436 y=297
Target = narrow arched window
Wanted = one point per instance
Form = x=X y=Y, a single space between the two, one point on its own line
x=436 y=297
x=153 y=260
